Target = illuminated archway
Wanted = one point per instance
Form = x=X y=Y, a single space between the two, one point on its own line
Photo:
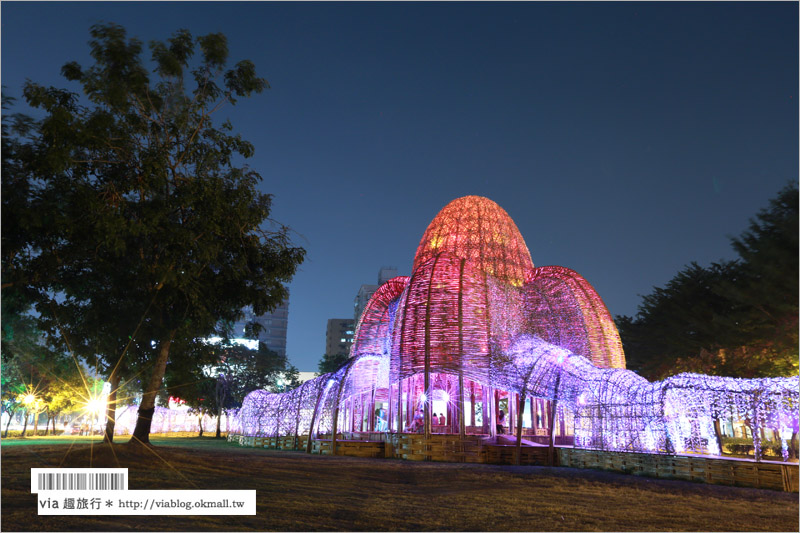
x=476 y=321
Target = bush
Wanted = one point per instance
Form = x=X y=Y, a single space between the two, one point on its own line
x=743 y=446
x=16 y=433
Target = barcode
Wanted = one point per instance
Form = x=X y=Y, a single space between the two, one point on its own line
x=45 y=479
x=81 y=481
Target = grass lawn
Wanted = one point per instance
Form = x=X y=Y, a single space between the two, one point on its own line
x=299 y=492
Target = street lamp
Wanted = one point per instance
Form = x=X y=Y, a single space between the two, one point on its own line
x=94 y=406
x=30 y=401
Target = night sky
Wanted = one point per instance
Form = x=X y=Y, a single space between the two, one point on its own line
x=625 y=140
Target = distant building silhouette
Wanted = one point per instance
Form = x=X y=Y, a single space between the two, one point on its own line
x=274 y=324
x=385 y=274
x=339 y=336
x=365 y=292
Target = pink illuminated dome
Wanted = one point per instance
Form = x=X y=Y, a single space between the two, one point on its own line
x=477 y=229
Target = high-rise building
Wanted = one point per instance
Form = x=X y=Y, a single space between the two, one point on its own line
x=385 y=274
x=339 y=336
x=274 y=326
x=365 y=292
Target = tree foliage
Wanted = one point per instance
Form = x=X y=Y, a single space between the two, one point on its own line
x=736 y=318
x=331 y=362
x=226 y=375
x=55 y=380
x=147 y=228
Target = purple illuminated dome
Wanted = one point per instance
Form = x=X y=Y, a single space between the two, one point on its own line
x=477 y=330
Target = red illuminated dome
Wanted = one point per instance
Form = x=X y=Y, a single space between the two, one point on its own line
x=479 y=230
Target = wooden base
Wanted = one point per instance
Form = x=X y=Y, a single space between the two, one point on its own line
x=446 y=448
x=506 y=455
x=480 y=449
x=350 y=448
x=742 y=473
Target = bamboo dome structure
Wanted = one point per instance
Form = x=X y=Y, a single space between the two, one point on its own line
x=478 y=230
x=478 y=332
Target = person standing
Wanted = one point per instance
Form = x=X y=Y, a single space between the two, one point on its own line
x=501 y=422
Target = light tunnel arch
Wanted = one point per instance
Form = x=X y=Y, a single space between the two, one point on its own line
x=475 y=308
x=374 y=329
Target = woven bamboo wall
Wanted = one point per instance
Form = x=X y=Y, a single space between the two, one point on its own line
x=506 y=455
x=450 y=448
x=274 y=443
x=446 y=448
x=765 y=475
x=350 y=448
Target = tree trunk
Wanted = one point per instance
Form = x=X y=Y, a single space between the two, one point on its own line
x=25 y=425
x=54 y=425
x=10 y=416
x=47 y=425
x=221 y=399
x=141 y=434
x=111 y=407
x=200 y=421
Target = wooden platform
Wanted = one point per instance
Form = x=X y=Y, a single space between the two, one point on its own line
x=505 y=454
x=478 y=449
x=739 y=472
x=445 y=448
x=273 y=443
x=350 y=448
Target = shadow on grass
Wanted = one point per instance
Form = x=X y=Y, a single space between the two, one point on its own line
x=300 y=492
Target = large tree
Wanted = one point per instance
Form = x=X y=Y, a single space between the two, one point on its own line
x=12 y=387
x=736 y=318
x=149 y=229
x=72 y=393
x=769 y=272
x=222 y=375
x=30 y=368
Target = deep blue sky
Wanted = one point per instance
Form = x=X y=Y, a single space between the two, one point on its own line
x=626 y=140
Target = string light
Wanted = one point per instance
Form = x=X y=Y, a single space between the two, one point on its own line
x=475 y=308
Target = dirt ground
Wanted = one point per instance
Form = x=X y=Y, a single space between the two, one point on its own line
x=299 y=492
